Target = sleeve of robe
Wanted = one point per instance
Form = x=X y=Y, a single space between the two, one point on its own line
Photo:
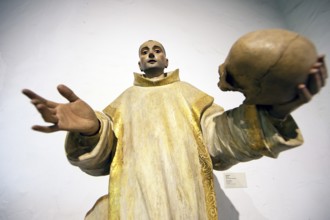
x=92 y=154
x=246 y=133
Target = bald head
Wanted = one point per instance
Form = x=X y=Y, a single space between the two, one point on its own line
x=156 y=43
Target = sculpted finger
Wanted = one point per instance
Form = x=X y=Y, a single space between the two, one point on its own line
x=36 y=99
x=315 y=81
x=304 y=94
x=47 y=114
x=51 y=106
x=324 y=70
x=45 y=129
x=32 y=95
x=322 y=66
x=67 y=93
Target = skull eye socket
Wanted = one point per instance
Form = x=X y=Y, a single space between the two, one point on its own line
x=230 y=79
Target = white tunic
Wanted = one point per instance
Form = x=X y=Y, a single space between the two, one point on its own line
x=160 y=141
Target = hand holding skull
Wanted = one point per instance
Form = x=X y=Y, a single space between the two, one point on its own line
x=316 y=80
x=274 y=68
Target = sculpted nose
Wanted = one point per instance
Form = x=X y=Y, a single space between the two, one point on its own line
x=151 y=55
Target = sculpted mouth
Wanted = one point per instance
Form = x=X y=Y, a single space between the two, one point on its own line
x=152 y=61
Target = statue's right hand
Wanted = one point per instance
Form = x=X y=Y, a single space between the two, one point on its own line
x=76 y=116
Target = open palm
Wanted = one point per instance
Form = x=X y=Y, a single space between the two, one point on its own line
x=76 y=116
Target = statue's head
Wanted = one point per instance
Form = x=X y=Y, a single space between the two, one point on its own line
x=152 y=56
x=267 y=66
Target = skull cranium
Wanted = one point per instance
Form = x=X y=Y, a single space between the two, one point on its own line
x=267 y=66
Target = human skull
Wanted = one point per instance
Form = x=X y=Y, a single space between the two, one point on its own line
x=267 y=66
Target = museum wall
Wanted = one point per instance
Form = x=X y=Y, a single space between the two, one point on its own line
x=92 y=46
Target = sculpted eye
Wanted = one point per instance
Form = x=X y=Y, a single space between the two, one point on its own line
x=158 y=51
x=144 y=51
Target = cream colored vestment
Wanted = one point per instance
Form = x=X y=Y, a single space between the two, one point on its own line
x=160 y=140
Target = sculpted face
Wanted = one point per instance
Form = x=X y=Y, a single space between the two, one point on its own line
x=152 y=57
x=267 y=66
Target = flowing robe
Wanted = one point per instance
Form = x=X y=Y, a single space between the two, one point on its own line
x=160 y=140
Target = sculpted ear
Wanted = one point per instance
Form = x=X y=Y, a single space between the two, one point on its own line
x=166 y=65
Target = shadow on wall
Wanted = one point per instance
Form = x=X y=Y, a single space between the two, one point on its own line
x=226 y=209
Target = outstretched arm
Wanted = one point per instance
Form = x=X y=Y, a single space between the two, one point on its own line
x=317 y=79
x=75 y=116
x=89 y=140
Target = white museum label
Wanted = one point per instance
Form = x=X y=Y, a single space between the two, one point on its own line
x=235 y=180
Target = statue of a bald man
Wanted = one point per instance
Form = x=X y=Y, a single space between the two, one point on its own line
x=161 y=138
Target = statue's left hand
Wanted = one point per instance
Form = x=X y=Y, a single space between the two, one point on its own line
x=317 y=78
